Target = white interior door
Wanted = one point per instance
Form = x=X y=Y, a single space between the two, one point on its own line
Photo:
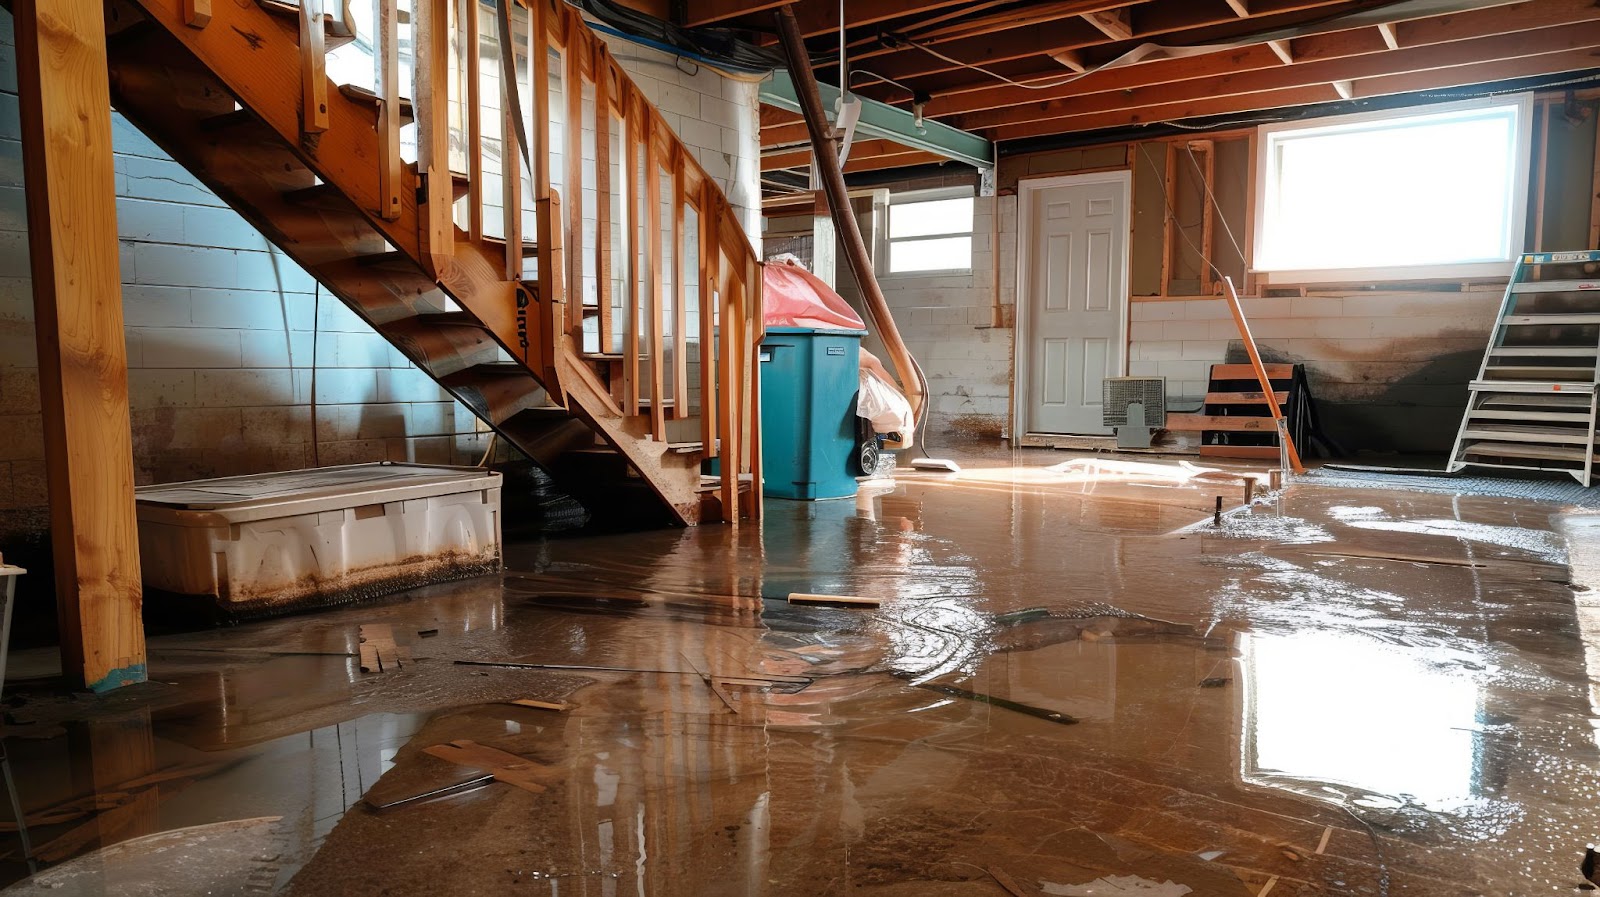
x=1075 y=274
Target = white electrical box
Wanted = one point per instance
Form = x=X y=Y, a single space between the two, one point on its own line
x=274 y=542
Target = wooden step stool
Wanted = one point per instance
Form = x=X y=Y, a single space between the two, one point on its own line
x=1236 y=422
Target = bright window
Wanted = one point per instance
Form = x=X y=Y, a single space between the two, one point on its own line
x=1440 y=193
x=930 y=232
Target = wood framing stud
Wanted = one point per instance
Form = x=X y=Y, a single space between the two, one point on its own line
x=1283 y=50
x=1345 y=89
x=1241 y=8
x=65 y=113
x=1390 y=39
x=1115 y=24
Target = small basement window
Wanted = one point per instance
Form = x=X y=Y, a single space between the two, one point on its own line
x=1409 y=195
x=930 y=232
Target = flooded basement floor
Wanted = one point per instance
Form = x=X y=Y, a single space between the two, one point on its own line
x=1076 y=685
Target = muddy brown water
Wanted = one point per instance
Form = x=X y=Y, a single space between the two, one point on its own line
x=1070 y=679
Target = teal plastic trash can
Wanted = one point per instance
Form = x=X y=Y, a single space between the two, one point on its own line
x=809 y=380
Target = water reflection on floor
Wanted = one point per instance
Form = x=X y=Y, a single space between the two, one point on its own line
x=1073 y=676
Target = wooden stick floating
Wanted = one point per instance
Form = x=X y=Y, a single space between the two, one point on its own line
x=855 y=600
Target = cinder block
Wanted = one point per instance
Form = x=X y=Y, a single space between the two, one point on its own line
x=157 y=387
x=407 y=385
x=1158 y=350
x=336 y=386
x=280 y=425
x=21 y=437
x=137 y=219
x=153 y=306
x=247 y=387
x=187 y=347
x=184 y=266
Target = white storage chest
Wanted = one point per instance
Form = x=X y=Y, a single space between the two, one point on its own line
x=281 y=541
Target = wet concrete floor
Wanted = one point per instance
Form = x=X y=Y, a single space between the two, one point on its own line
x=1076 y=684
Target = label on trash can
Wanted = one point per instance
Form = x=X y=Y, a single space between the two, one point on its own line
x=836 y=350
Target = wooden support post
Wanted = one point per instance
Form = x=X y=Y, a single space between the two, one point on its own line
x=680 y=293
x=1267 y=390
x=511 y=198
x=707 y=214
x=630 y=239
x=1250 y=218
x=313 y=69
x=602 y=180
x=572 y=182
x=386 y=69
x=65 y=110
x=1594 y=190
x=470 y=24
x=432 y=61
x=652 y=270
x=1168 y=217
x=730 y=403
x=1539 y=178
x=1208 y=215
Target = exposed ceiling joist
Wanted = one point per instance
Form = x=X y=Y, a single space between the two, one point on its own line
x=1243 y=104
x=1523 y=17
x=1305 y=75
x=1075 y=34
x=1241 y=8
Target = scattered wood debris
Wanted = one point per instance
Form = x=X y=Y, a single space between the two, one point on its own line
x=455 y=788
x=1006 y=881
x=853 y=600
x=541 y=705
x=379 y=653
x=508 y=768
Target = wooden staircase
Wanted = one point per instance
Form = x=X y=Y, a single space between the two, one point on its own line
x=641 y=340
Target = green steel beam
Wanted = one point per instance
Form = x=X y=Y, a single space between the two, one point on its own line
x=880 y=120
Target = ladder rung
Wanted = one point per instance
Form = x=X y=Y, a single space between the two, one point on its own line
x=1563 y=373
x=1529 y=433
x=1514 y=320
x=1546 y=351
x=1569 y=400
x=1555 y=286
x=1514 y=450
x=1577 y=415
x=1534 y=386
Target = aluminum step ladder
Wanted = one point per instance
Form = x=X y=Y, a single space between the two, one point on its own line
x=1532 y=406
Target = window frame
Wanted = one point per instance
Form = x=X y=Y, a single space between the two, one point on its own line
x=1490 y=268
x=908 y=197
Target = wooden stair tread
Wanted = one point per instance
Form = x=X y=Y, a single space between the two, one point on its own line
x=529 y=248
x=336 y=32
x=238 y=118
x=393 y=260
x=1244 y=398
x=1223 y=422
x=359 y=94
x=327 y=197
x=1247 y=372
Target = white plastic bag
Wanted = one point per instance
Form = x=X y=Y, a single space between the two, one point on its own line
x=883 y=406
